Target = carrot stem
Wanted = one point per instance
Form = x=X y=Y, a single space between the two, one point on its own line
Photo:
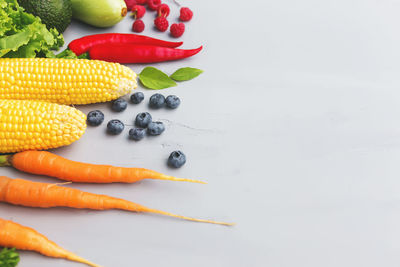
x=5 y=160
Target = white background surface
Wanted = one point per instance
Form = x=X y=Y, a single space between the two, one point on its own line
x=294 y=124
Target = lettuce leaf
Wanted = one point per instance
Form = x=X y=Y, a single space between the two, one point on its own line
x=24 y=35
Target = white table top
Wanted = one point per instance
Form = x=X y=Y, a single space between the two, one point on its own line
x=295 y=124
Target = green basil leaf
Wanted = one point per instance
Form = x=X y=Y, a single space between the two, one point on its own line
x=155 y=79
x=185 y=74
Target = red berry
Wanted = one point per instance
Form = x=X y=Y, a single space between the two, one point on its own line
x=130 y=4
x=186 y=14
x=141 y=2
x=161 y=24
x=138 y=26
x=138 y=11
x=177 y=29
x=153 y=4
x=163 y=10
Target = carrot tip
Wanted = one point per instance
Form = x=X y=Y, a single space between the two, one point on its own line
x=172 y=178
x=191 y=181
x=185 y=217
x=76 y=258
x=212 y=222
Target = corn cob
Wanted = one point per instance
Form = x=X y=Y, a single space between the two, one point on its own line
x=36 y=125
x=64 y=81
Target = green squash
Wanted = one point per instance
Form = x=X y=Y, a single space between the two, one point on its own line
x=99 y=13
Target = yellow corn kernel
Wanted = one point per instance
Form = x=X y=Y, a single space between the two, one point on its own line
x=37 y=125
x=64 y=81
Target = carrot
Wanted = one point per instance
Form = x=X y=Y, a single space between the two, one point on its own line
x=25 y=238
x=44 y=195
x=46 y=163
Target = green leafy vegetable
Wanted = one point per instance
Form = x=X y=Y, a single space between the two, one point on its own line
x=153 y=78
x=24 y=35
x=9 y=257
x=83 y=56
x=66 y=54
x=185 y=74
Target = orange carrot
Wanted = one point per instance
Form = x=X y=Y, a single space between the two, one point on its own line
x=43 y=195
x=46 y=163
x=25 y=238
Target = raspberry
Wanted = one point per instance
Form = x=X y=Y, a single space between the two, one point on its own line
x=161 y=24
x=141 y=2
x=163 y=10
x=186 y=14
x=153 y=4
x=138 y=11
x=130 y=4
x=177 y=29
x=138 y=26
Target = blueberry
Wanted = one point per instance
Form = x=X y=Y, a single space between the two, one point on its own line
x=137 y=133
x=95 y=118
x=143 y=119
x=115 y=126
x=177 y=159
x=155 y=128
x=119 y=105
x=157 y=101
x=137 y=97
x=172 y=101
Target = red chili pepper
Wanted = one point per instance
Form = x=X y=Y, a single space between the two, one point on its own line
x=83 y=45
x=129 y=53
